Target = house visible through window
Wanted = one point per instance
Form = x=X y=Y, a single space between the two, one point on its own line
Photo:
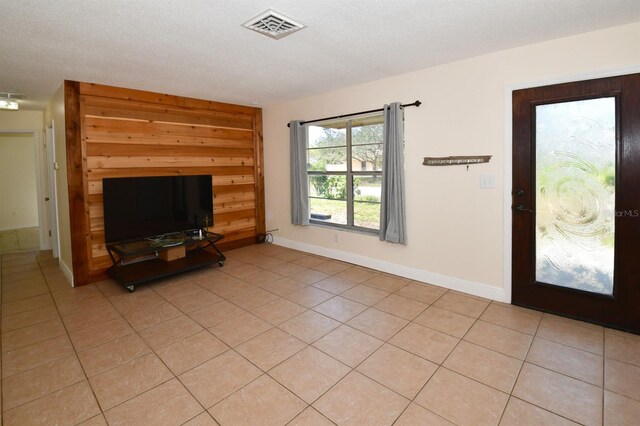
x=344 y=163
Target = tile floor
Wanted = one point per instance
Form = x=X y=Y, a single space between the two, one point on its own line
x=19 y=239
x=280 y=337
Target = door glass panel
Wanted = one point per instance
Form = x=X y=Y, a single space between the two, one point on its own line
x=575 y=197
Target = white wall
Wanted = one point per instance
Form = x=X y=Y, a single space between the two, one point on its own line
x=456 y=230
x=19 y=207
x=55 y=111
x=18 y=184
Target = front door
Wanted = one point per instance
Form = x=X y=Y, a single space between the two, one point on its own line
x=576 y=200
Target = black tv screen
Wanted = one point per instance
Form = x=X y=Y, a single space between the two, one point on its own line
x=142 y=207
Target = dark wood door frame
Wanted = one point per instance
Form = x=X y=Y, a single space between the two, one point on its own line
x=622 y=309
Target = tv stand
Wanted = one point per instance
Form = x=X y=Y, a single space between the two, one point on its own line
x=141 y=261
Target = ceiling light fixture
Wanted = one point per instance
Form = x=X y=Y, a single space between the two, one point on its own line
x=8 y=103
x=273 y=24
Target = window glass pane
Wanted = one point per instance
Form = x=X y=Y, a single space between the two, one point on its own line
x=330 y=211
x=326 y=136
x=327 y=159
x=366 y=141
x=328 y=186
x=367 y=191
x=575 y=194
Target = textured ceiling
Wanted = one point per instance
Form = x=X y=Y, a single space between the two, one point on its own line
x=198 y=48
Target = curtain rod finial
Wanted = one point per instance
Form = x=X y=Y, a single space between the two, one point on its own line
x=417 y=103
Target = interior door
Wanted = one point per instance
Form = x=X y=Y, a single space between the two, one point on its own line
x=576 y=205
x=52 y=202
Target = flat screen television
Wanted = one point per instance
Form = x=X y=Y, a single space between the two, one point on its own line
x=142 y=207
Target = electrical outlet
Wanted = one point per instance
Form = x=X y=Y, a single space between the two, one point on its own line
x=487 y=181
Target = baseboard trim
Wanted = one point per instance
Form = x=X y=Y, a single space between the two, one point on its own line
x=470 y=287
x=66 y=271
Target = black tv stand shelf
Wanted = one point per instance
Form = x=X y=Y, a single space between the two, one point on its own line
x=138 y=262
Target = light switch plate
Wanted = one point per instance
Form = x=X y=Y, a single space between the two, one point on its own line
x=487 y=181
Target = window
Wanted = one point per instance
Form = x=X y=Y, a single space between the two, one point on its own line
x=344 y=164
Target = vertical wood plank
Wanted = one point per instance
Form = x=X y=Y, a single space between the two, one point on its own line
x=259 y=172
x=76 y=183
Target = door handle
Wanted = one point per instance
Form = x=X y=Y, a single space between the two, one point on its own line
x=521 y=208
x=46 y=198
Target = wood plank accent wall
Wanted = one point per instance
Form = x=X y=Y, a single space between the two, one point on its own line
x=115 y=132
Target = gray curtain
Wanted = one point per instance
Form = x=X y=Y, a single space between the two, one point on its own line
x=392 y=210
x=299 y=179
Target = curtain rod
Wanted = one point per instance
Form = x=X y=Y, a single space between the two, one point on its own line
x=415 y=104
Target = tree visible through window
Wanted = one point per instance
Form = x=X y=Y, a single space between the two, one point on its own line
x=344 y=163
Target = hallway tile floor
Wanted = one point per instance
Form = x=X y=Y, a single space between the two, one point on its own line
x=281 y=337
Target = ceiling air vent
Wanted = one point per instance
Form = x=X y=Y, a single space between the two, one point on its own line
x=273 y=24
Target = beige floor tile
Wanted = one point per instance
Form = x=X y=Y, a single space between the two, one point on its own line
x=240 y=329
x=226 y=286
x=461 y=400
x=194 y=350
x=468 y=306
x=499 y=339
x=308 y=276
x=310 y=417
x=168 y=404
x=33 y=334
x=521 y=413
x=309 y=326
x=291 y=255
x=263 y=401
x=348 y=345
x=622 y=346
x=386 y=282
x=309 y=373
x=286 y=269
x=572 y=335
x=173 y=290
x=570 y=398
x=620 y=410
x=216 y=313
x=27 y=304
x=340 y=309
x=580 y=323
x=622 y=378
x=32 y=356
x=270 y=348
x=416 y=415
x=95 y=316
x=279 y=311
x=195 y=301
x=309 y=261
x=358 y=400
x=25 y=319
x=484 y=365
x=398 y=370
x=377 y=323
x=67 y=406
x=581 y=365
x=445 y=321
x=330 y=267
x=365 y=295
x=400 y=306
x=309 y=296
x=219 y=377
x=283 y=286
x=149 y=316
x=424 y=342
x=98 y=420
x=128 y=380
x=112 y=354
x=253 y=299
x=170 y=331
x=85 y=307
x=203 y=419
x=357 y=274
x=23 y=292
x=40 y=381
x=98 y=334
x=335 y=285
x=520 y=319
x=425 y=293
